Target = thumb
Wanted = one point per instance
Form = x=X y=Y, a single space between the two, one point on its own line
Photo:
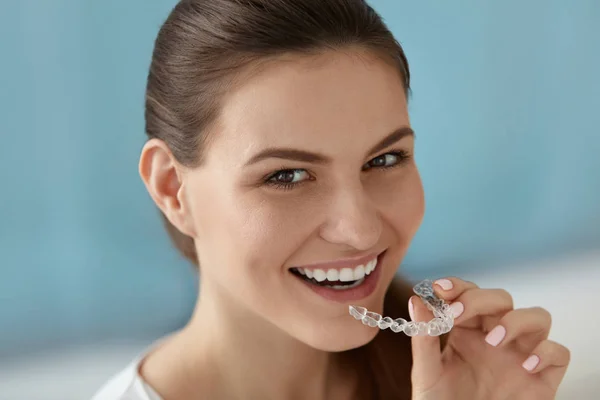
x=426 y=350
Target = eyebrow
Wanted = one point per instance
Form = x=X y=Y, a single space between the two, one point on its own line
x=310 y=157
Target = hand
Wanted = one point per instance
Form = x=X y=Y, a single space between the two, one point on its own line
x=493 y=351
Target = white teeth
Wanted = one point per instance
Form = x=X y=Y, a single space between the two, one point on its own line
x=370 y=266
x=333 y=275
x=346 y=275
x=362 y=270
x=343 y=275
x=359 y=272
x=319 y=275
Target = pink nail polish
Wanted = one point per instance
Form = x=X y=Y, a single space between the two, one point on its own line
x=444 y=284
x=496 y=335
x=411 y=309
x=531 y=363
x=457 y=308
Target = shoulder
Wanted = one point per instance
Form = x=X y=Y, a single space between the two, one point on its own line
x=126 y=385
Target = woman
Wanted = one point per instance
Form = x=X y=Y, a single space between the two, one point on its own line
x=281 y=156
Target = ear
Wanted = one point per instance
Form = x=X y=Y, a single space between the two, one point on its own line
x=163 y=177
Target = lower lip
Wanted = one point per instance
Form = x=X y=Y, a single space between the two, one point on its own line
x=363 y=290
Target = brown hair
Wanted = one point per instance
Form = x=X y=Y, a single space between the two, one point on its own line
x=199 y=53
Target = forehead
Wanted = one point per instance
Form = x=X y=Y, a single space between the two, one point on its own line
x=329 y=101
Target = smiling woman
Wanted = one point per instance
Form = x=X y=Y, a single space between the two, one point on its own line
x=281 y=156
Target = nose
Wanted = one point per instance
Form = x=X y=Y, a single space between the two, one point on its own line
x=352 y=220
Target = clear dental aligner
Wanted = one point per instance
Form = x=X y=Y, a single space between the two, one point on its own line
x=442 y=322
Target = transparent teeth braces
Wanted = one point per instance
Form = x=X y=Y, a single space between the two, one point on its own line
x=442 y=322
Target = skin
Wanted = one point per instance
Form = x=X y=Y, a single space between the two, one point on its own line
x=475 y=367
x=257 y=331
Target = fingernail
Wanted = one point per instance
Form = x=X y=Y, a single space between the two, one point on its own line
x=496 y=335
x=457 y=308
x=411 y=309
x=531 y=363
x=444 y=284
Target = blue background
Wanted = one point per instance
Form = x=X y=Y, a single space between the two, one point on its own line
x=505 y=107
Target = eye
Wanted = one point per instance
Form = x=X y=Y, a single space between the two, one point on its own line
x=387 y=160
x=288 y=178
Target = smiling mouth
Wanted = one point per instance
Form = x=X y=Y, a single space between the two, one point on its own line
x=337 y=279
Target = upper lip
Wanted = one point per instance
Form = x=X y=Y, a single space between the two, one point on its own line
x=342 y=263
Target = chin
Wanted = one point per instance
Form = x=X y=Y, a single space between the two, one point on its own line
x=347 y=336
x=353 y=341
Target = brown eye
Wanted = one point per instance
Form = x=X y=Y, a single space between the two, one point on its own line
x=289 y=176
x=387 y=160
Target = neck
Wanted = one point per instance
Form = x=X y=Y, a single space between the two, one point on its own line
x=228 y=352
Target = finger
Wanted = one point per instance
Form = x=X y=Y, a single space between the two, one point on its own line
x=526 y=325
x=550 y=360
x=426 y=350
x=481 y=303
x=450 y=288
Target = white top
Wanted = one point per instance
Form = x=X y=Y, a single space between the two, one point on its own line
x=127 y=385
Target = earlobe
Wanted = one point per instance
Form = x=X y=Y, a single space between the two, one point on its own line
x=162 y=175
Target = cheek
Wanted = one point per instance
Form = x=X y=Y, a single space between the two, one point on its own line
x=401 y=201
x=270 y=231
x=254 y=234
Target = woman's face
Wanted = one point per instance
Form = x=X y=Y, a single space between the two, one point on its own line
x=310 y=173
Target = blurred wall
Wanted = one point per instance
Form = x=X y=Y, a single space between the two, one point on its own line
x=506 y=98
x=505 y=107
